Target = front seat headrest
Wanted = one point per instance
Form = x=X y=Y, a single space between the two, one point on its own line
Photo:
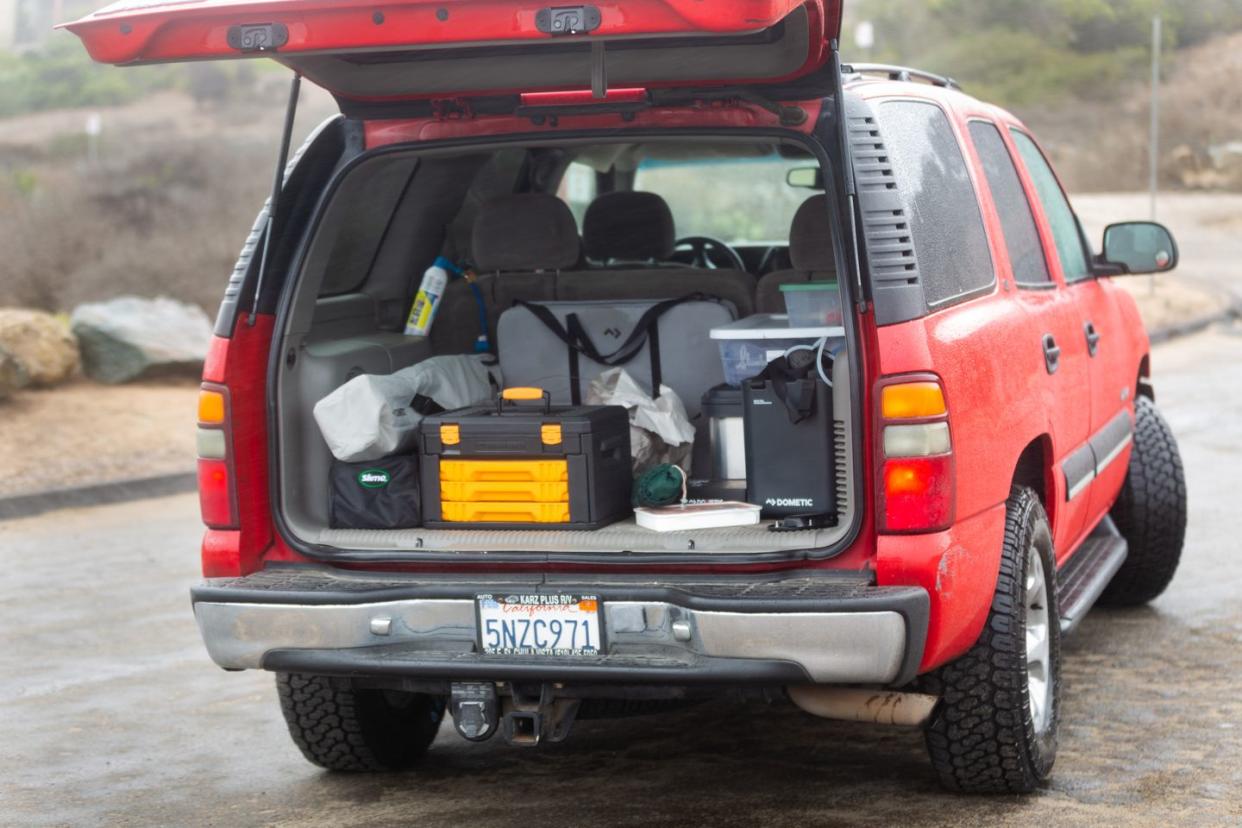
x=524 y=232
x=630 y=227
x=810 y=237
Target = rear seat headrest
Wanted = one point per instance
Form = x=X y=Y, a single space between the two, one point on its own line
x=810 y=237
x=525 y=231
x=628 y=226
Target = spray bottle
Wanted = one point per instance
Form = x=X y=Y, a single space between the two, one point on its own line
x=427 y=301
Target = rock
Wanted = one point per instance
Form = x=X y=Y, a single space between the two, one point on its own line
x=41 y=343
x=12 y=374
x=130 y=337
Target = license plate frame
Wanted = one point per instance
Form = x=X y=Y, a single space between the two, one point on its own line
x=523 y=638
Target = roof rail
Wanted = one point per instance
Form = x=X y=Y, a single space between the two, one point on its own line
x=900 y=73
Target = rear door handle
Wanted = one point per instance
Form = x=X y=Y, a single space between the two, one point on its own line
x=1052 y=354
x=1093 y=338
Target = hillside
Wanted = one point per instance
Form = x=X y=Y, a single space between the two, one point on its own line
x=1102 y=145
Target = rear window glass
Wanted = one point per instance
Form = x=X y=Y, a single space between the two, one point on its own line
x=950 y=243
x=1026 y=253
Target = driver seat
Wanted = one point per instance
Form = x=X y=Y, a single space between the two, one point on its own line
x=631 y=235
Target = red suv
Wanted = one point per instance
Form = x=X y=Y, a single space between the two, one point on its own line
x=994 y=457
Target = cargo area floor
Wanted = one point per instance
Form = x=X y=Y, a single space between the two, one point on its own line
x=623 y=536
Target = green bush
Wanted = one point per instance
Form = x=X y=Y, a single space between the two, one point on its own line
x=62 y=75
x=1018 y=68
x=1023 y=52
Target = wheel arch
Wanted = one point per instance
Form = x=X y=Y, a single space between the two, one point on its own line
x=1143 y=386
x=1034 y=469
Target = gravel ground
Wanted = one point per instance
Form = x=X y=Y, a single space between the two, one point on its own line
x=84 y=433
x=111 y=714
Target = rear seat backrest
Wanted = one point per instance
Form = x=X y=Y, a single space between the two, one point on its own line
x=519 y=242
x=628 y=227
x=634 y=233
x=810 y=253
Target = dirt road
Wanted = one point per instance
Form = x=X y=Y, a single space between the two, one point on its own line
x=110 y=712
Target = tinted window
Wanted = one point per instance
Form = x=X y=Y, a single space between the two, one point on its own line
x=1056 y=208
x=1026 y=254
x=949 y=240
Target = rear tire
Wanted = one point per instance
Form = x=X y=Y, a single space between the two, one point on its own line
x=995 y=728
x=1150 y=512
x=345 y=728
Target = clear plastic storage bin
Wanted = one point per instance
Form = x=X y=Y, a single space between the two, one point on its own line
x=748 y=345
x=812 y=303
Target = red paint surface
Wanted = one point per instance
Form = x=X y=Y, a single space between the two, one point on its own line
x=240 y=363
x=958 y=569
x=195 y=30
x=988 y=355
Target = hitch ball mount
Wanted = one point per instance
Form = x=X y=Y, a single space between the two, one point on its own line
x=526 y=716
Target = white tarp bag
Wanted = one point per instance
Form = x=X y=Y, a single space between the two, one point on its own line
x=660 y=429
x=371 y=416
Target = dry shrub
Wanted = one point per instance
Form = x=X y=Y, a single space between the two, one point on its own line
x=163 y=218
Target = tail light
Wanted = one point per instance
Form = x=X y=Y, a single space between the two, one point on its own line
x=217 y=490
x=916 y=483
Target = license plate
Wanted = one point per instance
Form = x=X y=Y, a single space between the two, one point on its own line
x=540 y=625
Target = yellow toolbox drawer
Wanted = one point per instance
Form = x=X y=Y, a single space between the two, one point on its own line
x=504 y=492
x=504 y=512
x=504 y=471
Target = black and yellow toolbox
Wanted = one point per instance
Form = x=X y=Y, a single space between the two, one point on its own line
x=518 y=466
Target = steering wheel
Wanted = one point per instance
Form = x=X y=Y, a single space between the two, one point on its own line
x=704 y=247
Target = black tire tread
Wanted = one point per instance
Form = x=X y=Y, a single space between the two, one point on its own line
x=342 y=728
x=1150 y=512
x=979 y=737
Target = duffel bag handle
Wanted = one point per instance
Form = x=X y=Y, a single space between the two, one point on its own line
x=523 y=394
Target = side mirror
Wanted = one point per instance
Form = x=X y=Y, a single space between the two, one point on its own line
x=807 y=178
x=1140 y=247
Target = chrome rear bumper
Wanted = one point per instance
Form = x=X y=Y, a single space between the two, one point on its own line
x=850 y=634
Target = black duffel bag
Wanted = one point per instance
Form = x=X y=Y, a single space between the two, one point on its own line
x=375 y=494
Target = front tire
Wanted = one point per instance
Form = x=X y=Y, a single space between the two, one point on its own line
x=995 y=728
x=342 y=727
x=1150 y=512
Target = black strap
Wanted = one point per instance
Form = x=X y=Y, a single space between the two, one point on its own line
x=657 y=378
x=426 y=405
x=575 y=373
x=798 y=396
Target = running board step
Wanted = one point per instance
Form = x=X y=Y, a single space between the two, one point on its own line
x=1083 y=578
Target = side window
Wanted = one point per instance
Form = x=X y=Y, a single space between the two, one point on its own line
x=950 y=242
x=1057 y=208
x=1026 y=253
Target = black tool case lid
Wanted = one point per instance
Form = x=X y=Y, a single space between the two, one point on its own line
x=517 y=428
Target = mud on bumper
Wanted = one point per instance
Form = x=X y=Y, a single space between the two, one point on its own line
x=825 y=629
